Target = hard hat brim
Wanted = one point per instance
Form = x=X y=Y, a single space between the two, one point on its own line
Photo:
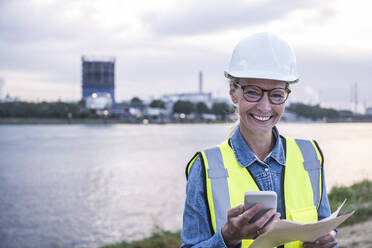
x=262 y=75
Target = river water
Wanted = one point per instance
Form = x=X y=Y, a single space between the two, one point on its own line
x=90 y=185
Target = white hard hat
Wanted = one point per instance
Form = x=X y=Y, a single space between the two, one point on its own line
x=265 y=56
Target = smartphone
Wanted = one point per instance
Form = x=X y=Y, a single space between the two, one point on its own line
x=266 y=198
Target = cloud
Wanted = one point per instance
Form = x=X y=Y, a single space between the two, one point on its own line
x=329 y=75
x=25 y=22
x=165 y=57
x=200 y=17
x=49 y=39
x=38 y=86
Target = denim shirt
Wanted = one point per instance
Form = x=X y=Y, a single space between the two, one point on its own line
x=196 y=229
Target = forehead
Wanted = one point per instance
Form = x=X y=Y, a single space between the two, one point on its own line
x=263 y=83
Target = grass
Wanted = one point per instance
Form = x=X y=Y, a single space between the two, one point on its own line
x=159 y=239
x=359 y=198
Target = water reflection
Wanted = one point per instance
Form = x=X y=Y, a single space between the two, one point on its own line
x=79 y=185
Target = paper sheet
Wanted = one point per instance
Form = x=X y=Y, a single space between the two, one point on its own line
x=284 y=231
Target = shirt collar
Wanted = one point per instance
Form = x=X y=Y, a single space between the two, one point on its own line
x=245 y=155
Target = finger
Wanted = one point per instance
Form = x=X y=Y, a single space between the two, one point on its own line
x=325 y=239
x=329 y=245
x=268 y=224
x=260 y=223
x=315 y=245
x=254 y=229
x=248 y=214
x=233 y=212
x=327 y=242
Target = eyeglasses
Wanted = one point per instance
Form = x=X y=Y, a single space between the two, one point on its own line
x=252 y=93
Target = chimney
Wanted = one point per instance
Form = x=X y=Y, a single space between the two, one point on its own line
x=200 y=82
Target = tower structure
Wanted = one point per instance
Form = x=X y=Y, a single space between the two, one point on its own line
x=200 y=82
x=1 y=84
x=98 y=77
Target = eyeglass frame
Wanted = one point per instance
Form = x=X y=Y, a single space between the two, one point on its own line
x=288 y=91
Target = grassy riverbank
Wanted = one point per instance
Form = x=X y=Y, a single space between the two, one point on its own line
x=359 y=198
x=358 y=195
x=159 y=239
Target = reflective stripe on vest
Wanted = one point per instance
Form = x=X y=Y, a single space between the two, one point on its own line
x=313 y=166
x=301 y=183
x=227 y=181
x=218 y=174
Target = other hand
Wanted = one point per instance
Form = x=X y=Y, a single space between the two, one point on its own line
x=238 y=227
x=326 y=241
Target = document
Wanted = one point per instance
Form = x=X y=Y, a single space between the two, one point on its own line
x=284 y=231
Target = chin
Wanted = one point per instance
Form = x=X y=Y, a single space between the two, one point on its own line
x=262 y=131
x=255 y=129
x=254 y=126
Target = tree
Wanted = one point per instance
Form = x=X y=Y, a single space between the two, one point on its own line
x=313 y=112
x=222 y=109
x=157 y=103
x=136 y=102
x=185 y=107
x=43 y=110
x=201 y=108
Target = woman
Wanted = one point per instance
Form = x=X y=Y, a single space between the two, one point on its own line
x=255 y=157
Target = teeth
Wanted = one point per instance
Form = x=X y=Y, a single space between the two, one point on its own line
x=261 y=118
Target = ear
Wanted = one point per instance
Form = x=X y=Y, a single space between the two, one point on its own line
x=233 y=96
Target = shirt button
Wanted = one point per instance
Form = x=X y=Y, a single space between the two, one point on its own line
x=266 y=169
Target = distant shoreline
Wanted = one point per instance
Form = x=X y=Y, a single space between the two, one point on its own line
x=52 y=121
x=57 y=121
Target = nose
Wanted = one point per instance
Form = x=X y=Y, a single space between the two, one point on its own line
x=264 y=104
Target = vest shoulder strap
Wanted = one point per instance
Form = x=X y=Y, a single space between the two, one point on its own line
x=215 y=182
x=217 y=175
x=313 y=161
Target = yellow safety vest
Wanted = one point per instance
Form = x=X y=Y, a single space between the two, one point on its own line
x=226 y=182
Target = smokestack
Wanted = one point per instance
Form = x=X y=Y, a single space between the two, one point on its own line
x=200 y=82
x=356 y=97
x=2 y=82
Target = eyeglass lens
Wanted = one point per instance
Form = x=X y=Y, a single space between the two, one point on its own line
x=254 y=94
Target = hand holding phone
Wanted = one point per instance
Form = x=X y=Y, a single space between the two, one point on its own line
x=266 y=198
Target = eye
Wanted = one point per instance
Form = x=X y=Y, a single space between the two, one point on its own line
x=252 y=92
x=278 y=94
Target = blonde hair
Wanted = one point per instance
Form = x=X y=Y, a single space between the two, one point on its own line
x=232 y=81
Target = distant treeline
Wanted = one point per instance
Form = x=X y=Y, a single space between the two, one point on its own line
x=44 y=110
x=314 y=112
x=217 y=108
x=77 y=110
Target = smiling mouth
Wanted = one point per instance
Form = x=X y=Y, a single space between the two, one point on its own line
x=260 y=118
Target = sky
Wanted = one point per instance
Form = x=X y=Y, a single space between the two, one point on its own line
x=160 y=46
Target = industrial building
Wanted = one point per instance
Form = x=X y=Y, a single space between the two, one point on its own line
x=192 y=97
x=98 y=79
